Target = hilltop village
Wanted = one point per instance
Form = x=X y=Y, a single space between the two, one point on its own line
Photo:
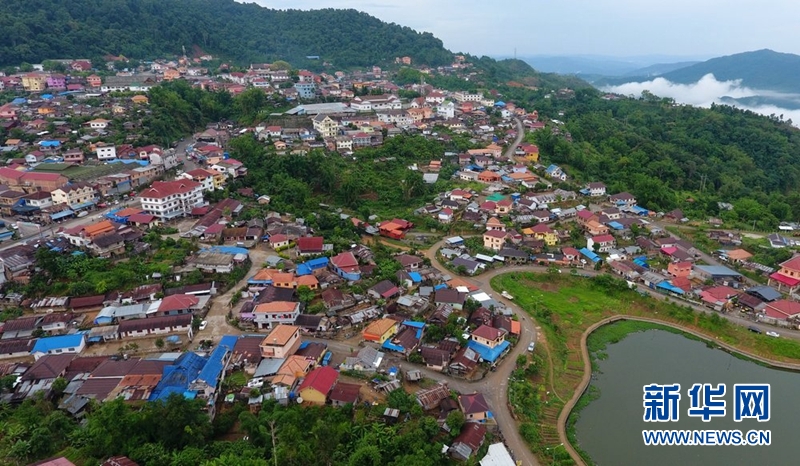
x=138 y=269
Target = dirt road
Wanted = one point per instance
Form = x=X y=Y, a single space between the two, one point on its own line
x=218 y=325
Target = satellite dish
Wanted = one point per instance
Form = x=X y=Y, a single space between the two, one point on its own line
x=299 y=400
x=49 y=311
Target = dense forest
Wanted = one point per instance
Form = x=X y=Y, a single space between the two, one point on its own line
x=36 y=30
x=672 y=155
x=178 y=433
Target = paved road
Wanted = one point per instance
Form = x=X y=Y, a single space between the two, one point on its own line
x=48 y=231
x=509 y=153
x=495 y=385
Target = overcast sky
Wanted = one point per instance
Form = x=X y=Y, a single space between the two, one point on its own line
x=621 y=28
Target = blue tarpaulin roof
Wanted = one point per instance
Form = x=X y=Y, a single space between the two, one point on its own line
x=413 y=323
x=590 y=255
x=19 y=101
x=216 y=362
x=391 y=346
x=639 y=210
x=415 y=277
x=488 y=354
x=616 y=225
x=307 y=268
x=82 y=205
x=440 y=287
x=232 y=250
x=177 y=377
x=665 y=285
x=62 y=214
x=49 y=143
x=47 y=96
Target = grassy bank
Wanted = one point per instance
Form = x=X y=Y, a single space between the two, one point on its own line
x=565 y=306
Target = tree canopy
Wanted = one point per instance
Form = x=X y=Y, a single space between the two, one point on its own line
x=37 y=30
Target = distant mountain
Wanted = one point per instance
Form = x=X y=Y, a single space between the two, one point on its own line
x=762 y=69
x=582 y=65
x=35 y=30
x=659 y=69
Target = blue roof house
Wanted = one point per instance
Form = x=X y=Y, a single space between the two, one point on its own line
x=212 y=374
x=74 y=344
x=176 y=377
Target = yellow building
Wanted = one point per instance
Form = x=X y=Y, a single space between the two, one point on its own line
x=317 y=385
x=544 y=233
x=34 y=82
x=139 y=99
x=219 y=179
x=380 y=330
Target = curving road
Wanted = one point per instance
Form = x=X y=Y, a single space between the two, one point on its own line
x=494 y=385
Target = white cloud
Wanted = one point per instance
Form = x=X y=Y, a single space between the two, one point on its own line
x=706 y=91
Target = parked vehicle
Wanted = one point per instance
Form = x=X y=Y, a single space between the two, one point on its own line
x=531 y=347
x=506 y=294
x=83 y=214
x=203 y=325
x=773 y=334
x=754 y=329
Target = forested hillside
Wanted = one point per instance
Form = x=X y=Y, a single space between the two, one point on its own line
x=760 y=69
x=36 y=30
x=681 y=156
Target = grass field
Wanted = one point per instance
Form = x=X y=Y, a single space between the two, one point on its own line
x=566 y=305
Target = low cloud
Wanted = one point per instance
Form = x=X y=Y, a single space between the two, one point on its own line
x=709 y=90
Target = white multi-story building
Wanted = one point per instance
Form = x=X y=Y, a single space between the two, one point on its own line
x=446 y=110
x=170 y=199
x=369 y=103
x=106 y=152
x=77 y=195
x=467 y=97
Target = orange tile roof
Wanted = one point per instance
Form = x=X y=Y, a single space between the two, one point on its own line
x=263 y=274
x=456 y=282
x=275 y=306
x=307 y=280
x=98 y=228
x=281 y=334
x=283 y=277
x=296 y=366
x=739 y=254
x=380 y=326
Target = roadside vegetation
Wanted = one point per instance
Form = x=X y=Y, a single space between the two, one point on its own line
x=289 y=436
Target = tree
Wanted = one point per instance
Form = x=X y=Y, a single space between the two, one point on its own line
x=305 y=294
x=455 y=420
x=159 y=343
x=59 y=385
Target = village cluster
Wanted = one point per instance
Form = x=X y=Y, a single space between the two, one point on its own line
x=515 y=211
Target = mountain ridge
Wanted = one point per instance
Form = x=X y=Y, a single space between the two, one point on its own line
x=242 y=32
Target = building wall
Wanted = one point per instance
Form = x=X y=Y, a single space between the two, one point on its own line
x=310 y=395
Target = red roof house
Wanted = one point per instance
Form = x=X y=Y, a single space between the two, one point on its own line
x=318 y=384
